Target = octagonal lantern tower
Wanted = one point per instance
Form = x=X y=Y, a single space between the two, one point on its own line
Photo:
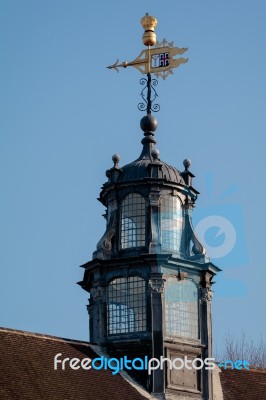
x=149 y=279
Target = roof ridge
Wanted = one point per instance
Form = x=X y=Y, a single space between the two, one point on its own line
x=252 y=369
x=43 y=336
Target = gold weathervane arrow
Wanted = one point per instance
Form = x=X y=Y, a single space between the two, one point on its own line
x=159 y=60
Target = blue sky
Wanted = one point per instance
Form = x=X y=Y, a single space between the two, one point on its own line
x=63 y=116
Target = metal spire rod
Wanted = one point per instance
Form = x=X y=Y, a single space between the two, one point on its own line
x=151 y=94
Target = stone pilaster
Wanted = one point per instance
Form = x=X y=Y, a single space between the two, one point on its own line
x=206 y=295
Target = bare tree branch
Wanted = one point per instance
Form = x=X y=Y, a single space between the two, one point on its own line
x=241 y=348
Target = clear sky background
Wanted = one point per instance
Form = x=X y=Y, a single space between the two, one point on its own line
x=63 y=116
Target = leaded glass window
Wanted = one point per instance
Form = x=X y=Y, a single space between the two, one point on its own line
x=133 y=221
x=181 y=308
x=171 y=223
x=126 y=305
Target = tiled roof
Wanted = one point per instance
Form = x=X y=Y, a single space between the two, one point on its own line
x=243 y=384
x=27 y=371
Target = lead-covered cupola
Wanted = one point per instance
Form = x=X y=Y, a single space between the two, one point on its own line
x=149 y=280
x=148 y=206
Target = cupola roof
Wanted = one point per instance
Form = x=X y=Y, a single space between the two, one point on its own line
x=148 y=164
x=142 y=168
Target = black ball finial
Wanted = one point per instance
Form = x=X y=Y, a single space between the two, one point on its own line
x=187 y=163
x=148 y=123
x=116 y=158
x=155 y=153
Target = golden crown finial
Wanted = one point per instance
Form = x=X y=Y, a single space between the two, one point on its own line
x=149 y=24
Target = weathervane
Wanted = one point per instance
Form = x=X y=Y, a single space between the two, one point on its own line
x=158 y=61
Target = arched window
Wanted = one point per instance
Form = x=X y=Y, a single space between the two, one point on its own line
x=171 y=223
x=126 y=305
x=181 y=308
x=133 y=221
